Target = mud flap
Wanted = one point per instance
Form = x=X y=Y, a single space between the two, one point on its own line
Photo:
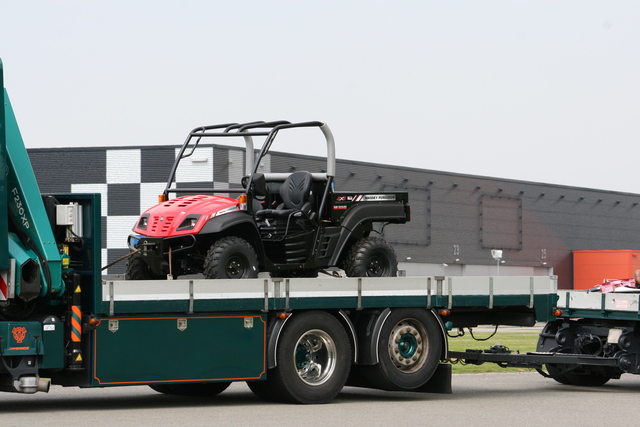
x=440 y=381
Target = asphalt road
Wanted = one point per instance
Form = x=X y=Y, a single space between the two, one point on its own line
x=522 y=399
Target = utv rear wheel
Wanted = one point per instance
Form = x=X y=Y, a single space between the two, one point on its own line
x=371 y=257
x=231 y=258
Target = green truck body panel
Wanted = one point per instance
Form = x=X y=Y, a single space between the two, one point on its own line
x=53 y=339
x=21 y=338
x=144 y=350
x=45 y=339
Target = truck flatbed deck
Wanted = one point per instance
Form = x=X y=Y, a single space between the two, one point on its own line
x=198 y=295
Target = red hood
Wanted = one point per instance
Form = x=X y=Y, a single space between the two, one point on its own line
x=165 y=218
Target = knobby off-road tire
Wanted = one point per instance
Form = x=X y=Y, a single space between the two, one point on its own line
x=409 y=348
x=371 y=257
x=313 y=361
x=231 y=258
x=137 y=269
x=196 y=389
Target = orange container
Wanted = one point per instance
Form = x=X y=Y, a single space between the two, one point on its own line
x=593 y=267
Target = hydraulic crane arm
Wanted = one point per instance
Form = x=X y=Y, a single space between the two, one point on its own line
x=30 y=240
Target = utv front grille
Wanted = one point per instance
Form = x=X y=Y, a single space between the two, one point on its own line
x=161 y=224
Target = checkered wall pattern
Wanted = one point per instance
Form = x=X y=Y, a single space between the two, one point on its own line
x=130 y=180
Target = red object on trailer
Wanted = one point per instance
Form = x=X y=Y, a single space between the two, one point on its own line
x=594 y=267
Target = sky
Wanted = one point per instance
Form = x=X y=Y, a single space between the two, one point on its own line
x=542 y=91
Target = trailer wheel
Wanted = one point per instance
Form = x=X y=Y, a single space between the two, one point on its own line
x=410 y=345
x=231 y=258
x=578 y=375
x=371 y=257
x=565 y=373
x=137 y=269
x=313 y=360
x=547 y=342
x=195 y=389
x=588 y=379
x=555 y=372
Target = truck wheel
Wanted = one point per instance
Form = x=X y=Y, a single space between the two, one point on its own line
x=261 y=390
x=161 y=388
x=137 y=269
x=371 y=257
x=231 y=258
x=196 y=389
x=410 y=346
x=313 y=360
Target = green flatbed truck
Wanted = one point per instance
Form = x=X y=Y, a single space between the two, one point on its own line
x=291 y=339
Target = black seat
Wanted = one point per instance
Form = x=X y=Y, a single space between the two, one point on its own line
x=295 y=193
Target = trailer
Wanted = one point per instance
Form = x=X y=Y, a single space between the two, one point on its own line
x=291 y=338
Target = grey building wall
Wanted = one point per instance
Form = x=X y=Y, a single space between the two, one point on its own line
x=456 y=219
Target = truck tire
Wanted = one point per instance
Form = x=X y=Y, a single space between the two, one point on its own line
x=371 y=257
x=409 y=348
x=161 y=388
x=195 y=389
x=231 y=258
x=313 y=360
x=137 y=269
x=261 y=390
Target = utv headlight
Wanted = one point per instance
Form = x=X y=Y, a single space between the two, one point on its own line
x=189 y=222
x=143 y=222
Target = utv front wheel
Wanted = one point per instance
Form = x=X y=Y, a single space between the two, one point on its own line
x=231 y=258
x=371 y=257
x=137 y=269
